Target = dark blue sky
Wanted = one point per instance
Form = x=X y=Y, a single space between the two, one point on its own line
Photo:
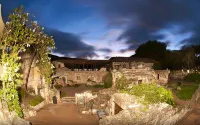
x=105 y=28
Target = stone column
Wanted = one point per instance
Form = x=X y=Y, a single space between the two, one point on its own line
x=113 y=78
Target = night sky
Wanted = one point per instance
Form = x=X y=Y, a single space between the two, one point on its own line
x=105 y=28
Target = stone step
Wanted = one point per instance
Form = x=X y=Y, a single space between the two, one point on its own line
x=68 y=100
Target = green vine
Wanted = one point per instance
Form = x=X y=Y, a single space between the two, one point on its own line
x=21 y=35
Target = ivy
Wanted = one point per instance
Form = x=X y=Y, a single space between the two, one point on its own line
x=21 y=35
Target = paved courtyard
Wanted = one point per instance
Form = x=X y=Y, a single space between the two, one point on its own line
x=62 y=114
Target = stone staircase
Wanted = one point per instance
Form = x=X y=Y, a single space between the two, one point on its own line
x=68 y=100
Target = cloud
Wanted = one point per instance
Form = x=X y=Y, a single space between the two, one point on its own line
x=105 y=50
x=70 y=44
x=67 y=44
x=142 y=20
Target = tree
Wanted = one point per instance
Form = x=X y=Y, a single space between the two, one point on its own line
x=189 y=56
x=173 y=59
x=22 y=35
x=153 y=50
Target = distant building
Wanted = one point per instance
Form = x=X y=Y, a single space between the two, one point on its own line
x=83 y=71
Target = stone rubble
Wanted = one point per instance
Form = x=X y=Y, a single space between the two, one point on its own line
x=139 y=114
x=96 y=101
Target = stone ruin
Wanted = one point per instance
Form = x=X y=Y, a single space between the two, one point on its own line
x=63 y=76
x=114 y=108
x=127 y=110
x=141 y=76
x=90 y=102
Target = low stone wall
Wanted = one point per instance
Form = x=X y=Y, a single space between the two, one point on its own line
x=28 y=112
x=39 y=106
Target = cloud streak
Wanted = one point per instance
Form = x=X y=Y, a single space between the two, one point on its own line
x=144 y=19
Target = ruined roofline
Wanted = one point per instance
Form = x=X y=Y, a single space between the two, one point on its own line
x=68 y=61
x=131 y=59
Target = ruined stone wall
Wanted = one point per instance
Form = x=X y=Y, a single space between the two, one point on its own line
x=58 y=64
x=135 y=75
x=120 y=65
x=179 y=74
x=145 y=75
x=162 y=76
x=141 y=65
x=35 y=79
x=82 y=77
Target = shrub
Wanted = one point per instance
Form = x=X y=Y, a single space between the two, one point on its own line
x=58 y=86
x=108 y=81
x=63 y=94
x=152 y=93
x=122 y=83
x=36 y=100
x=193 y=77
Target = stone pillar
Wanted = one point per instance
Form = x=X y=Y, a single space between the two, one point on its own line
x=36 y=89
x=112 y=110
x=113 y=78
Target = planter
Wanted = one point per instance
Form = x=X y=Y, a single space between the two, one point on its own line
x=39 y=106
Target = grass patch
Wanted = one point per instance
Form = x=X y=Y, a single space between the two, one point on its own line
x=174 y=84
x=63 y=94
x=193 y=77
x=36 y=100
x=187 y=91
x=58 y=86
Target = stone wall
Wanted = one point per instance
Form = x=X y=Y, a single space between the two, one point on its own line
x=162 y=76
x=79 y=77
x=35 y=80
x=58 y=64
x=131 y=65
x=142 y=75
x=180 y=74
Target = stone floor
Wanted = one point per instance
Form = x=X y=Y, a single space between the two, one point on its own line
x=62 y=114
x=192 y=119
